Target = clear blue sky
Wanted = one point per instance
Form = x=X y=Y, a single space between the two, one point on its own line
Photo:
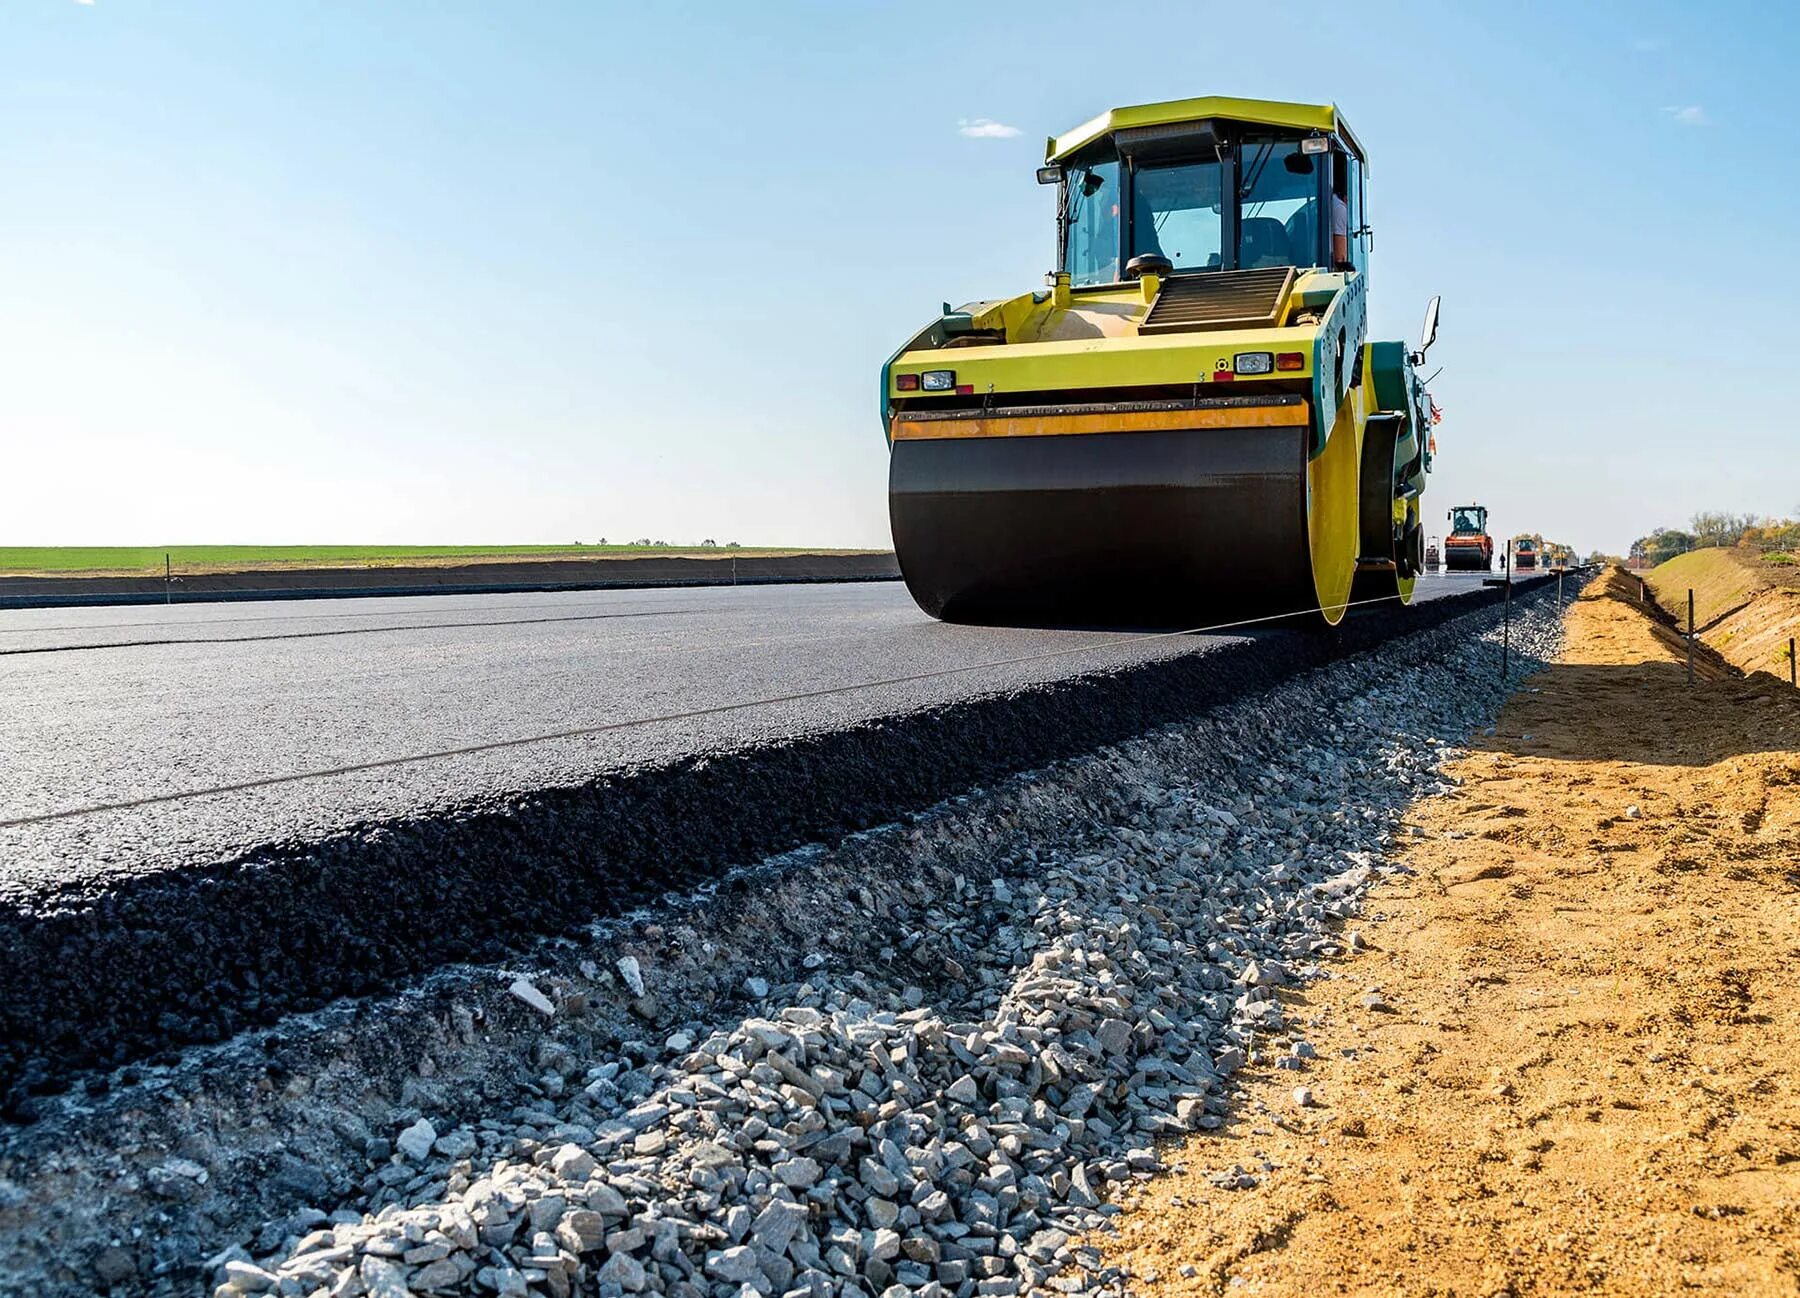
x=439 y=270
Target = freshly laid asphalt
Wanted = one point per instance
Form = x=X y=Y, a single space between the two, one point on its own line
x=101 y=706
x=137 y=928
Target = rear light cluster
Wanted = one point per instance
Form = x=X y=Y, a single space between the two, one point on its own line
x=1249 y=363
x=932 y=381
x=1265 y=363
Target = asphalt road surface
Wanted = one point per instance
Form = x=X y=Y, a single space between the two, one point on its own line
x=101 y=706
x=694 y=730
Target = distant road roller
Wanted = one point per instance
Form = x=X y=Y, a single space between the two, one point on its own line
x=1469 y=547
x=1189 y=424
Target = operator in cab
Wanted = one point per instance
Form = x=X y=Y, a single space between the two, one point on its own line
x=1340 y=217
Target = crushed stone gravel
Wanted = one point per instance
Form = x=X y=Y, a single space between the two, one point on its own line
x=857 y=1133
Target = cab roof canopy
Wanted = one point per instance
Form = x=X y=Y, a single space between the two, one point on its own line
x=1256 y=112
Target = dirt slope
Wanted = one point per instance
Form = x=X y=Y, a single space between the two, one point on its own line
x=1744 y=608
x=1569 y=1059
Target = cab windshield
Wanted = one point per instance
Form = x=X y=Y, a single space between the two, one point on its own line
x=1177 y=212
x=1465 y=520
x=1266 y=193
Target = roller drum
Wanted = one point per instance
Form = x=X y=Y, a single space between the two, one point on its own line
x=1181 y=527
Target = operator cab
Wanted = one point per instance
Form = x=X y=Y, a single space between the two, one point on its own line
x=1468 y=518
x=1209 y=195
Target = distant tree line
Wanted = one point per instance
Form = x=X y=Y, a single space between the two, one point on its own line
x=1708 y=530
x=707 y=544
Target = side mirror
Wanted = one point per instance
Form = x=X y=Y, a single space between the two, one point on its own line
x=1428 y=334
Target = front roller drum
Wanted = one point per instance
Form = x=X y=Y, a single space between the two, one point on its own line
x=1158 y=528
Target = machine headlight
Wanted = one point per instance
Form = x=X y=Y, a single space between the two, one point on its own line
x=938 y=380
x=1251 y=362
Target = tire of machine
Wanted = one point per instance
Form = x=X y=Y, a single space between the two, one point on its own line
x=1381 y=538
x=1375 y=488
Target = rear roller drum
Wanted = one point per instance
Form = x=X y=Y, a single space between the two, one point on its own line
x=1177 y=527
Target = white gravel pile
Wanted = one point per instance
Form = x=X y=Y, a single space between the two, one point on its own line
x=860 y=1135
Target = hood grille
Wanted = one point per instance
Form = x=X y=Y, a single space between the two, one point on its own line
x=1227 y=299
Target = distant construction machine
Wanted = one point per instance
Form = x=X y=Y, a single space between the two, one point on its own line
x=1468 y=548
x=1434 y=555
x=1524 y=553
x=1189 y=423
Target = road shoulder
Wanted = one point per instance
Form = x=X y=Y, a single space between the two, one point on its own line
x=1568 y=1058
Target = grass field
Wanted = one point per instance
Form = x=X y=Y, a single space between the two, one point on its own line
x=126 y=560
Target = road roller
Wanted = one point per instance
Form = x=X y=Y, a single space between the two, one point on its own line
x=1468 y=547
x=1188 y=424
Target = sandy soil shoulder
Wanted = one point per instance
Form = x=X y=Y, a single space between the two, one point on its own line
x=1567 y=1060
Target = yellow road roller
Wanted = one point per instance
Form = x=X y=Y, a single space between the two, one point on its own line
x=1188 y=423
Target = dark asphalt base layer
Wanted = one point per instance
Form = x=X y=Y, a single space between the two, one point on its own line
x=166 y=960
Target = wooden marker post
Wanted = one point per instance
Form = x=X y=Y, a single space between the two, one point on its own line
x=1690 y=636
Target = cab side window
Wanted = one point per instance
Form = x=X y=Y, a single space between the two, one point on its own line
x=1353 y=198
x=1091 y=222
x=1337 y=203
